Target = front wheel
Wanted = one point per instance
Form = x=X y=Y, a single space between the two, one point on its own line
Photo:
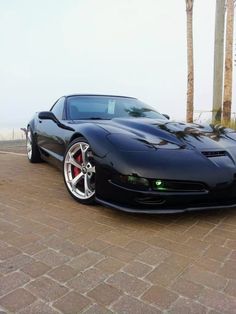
x=79 y=171
x=32 y=147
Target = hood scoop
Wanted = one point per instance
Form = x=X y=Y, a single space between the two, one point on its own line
x=211 y=154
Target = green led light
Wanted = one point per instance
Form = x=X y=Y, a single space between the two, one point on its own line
x=159 y=183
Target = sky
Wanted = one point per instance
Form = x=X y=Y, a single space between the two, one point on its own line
x=50 y=48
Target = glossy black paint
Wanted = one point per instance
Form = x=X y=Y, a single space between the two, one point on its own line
x=151 y=149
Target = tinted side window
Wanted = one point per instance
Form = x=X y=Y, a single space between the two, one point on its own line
x=58 y=108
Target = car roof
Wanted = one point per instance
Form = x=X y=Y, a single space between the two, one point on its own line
x=71 y=95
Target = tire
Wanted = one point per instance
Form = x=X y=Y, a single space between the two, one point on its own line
x=32 y=147
x=79 y=171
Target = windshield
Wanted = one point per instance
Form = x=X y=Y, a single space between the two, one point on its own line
x=106 y=107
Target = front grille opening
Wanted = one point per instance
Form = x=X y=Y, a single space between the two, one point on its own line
x=177 y=186
x=218 y=153
x=149 y=200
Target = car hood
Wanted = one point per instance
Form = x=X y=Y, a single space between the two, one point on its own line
x=201 y=137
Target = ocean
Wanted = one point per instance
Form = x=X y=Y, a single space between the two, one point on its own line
x=11 y=134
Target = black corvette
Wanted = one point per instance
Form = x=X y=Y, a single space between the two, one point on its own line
x=122 y=153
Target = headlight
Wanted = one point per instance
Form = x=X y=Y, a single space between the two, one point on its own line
x=131 y=181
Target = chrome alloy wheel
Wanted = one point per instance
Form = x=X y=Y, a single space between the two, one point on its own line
x=79 y=172
x=29 y=146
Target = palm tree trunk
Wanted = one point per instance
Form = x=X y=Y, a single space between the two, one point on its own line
x=190 y=83
x=228 y=63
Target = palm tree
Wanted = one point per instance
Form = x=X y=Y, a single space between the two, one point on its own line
x=190 y=86
x=228 y=62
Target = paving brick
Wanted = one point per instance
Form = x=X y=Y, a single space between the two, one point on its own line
x=218 y=253
x=97 y=245
x=54 y=242
x=209 y=264
x=35 y=269
x=12 y=281
x=15 y=263
x=104 y=294
x=33 y=248
x=228 y=269
x=214 y=312
x=231 y=244
x=8 y=236
x=197 y=232
x=218 y=301
x=8 y=252
x=38 y=307
x=223 y=234
x=128 y=284
x=51 y=257
x=115 y=238
x=110 y=265
x=63 y=273
x=86 y=260
x=187 y=306
x=72 y=249
x=187 y=288
x=227 y=225
x=71 y=303
x=6 y=226
x=97 y=309
x=17 y=300
x=119 y=253
x=178 y=260
x=202 y=245
x=130 y=305
x=87 y=280
x=206 y=278
x=46 y=289
x=153 y=256
x=142 y=233
x=159 y=296
x=24 y=239
x=174 y=236
x=211 y=239
x=231 y=288
x=137 y=269
x=3 y=245
x=84 y=238
x=233 y=255
x=164 y=274
x=136 y=247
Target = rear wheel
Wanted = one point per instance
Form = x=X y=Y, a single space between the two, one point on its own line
x=79 y=171
x=32 y=147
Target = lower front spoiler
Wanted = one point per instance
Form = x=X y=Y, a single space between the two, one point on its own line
x=161 y=210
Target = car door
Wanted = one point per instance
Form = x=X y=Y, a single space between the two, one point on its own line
x=50 y=137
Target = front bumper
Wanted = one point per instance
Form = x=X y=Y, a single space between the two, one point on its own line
x=161 y=210
x=153 y=202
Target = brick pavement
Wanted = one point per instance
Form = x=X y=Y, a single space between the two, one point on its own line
x=57 y=256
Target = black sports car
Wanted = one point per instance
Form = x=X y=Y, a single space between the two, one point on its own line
x=122 y=153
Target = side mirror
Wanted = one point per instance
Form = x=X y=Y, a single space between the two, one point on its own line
x=166 y=116
x=47 y=115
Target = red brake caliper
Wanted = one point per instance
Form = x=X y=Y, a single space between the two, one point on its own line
x=76 y=170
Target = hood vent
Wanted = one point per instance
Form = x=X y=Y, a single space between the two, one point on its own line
x=218 y=153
